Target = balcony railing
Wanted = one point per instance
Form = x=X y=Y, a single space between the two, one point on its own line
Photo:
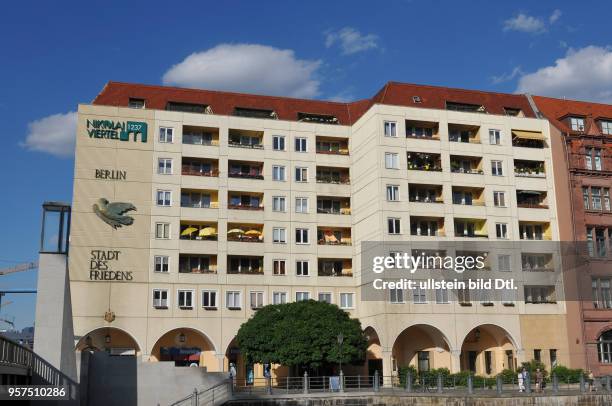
x=186 y=170
x=529 y=173
x=246 y=175
x=335 y=272
x=250 y=146
x=531 y=205
x=187 y=270
x=342 y=180
x=256 y=271
x=343 y=211
x=243 y=207
x=425 y=167
x=437 y=199
x=344 y=241
x=245 y=238
x=468 y=171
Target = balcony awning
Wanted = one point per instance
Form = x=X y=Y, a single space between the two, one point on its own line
x=529 y=135
x=530 y=192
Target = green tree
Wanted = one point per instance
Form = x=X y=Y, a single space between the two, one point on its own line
x=302 y=334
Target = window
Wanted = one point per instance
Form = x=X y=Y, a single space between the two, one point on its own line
x=499 y=199
x=463 y=297
x=423 y=361
x=596 y=198
x=185 y=299
x=164 y=198
x=488 y=362
x=188 y=107
x=346 y=300
x=442 y=296
x=396 y=295
x=162 y=231
x=390 y=128
x=501 y=230
x=301 y=174
x=195 y=199
x=606 y=199
x=136 y=103
x=279 y=203
x=418 y=131
x=279 y=266
x=301 y=296
x=301 y=268
x=209 y=299
x=585 y=197
x=278 y=172
x=393 y=225
x=537 y=355
x=279 y=235
x=233 y=301
x=592 y=159
x=577 y=123
x=597 y=153
x=257 y=300
x=161 y=263
x=391 y=160
x=589 y=237
x=530 y=231
x=164 y=166
x=494 y=137
x=497 y=168
x=325 y=297
x=552 y=354
x=503 y=263
x=606 y=127
x=160 y=298
x=393 y=193
x=540 y=294
x=301 y=205
x=279 y=297
x=418 y=295
x=166 y=135
x=278 y=143
x=301 y=236
x=604 y=347
x=301 y=144
x=600 y=242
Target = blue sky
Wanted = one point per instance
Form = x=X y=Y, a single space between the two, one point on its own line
x=59 y=54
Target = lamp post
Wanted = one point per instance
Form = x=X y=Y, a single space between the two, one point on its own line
x=340 y=341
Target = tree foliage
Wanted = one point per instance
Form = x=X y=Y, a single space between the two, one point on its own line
x=302 y=334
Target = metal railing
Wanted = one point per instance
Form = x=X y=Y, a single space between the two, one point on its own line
x=215 y=395
x=41 y=372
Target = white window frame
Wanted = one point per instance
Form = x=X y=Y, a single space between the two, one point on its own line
x=258 y=294
x=235 y=294
x=279 y=297
x=494 y=136
x=303 y=144
x=399 y=296
x=419 y=293
x=497 y=200
x=390 y=128
x=279 y=173
x=208 y=292
x=499 y=167
x=161 y=263
x=165 y=228
x=276 y=139
x=393 y=193
x=301 y=207
x=166 y=198
x=166 y=135
x=302 y=232
x=160 y=306
x=300 y=266
x=165 y=166
x=279 y=204
x=302 y=293
x=501 y=229
x=282 y=235
x=303 y=174
x=577 y=123
x=343 y=305
x=442 y=296
x=178 y=299
x=327 y=294
x=274 y=262
x=391 y=160
x=501 y=267
x=397 y=226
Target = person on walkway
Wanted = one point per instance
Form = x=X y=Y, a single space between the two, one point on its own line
x=539 y=380
x=521 y=381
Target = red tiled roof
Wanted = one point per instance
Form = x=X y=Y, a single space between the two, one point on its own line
x=393 y=93
x=557 y=110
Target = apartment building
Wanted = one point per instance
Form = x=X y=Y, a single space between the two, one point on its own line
x=194 y=208
x=582 y=141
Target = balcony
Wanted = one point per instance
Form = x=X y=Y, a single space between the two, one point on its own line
x=193 y=135
x=334 y=205
x=420 y=161
x=540 y=294
x=533 y=262
x=330 y=175
x=246 y=139
x=197 y=264
x=245 y=201
x=466 y=164
x=199 y=199
x=244 y=265
x=468 y=134
x=335 y=267
x=425 y=130
x=468 y=196
x=531 y=230
x=529 y=169
x=419 y=193
x=332 y=146
x=240 y=232
x=427 y=226
x=434 y=259
x=531 y=199
x=471 y=228
x=198 y=231
x=245 y=170
x=334 y=236
x=475 y=254
x=200 y=167
x=528 y=139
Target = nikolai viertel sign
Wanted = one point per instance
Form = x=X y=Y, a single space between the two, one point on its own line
x=117 y=130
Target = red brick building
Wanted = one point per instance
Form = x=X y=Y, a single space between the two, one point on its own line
x=582 y=150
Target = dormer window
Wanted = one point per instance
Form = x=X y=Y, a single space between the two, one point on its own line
x=471 y=108
x=255 y=113
x=188 y=107
x=416 y=99
x=577 y=123
x=512 y=111
x=318 y=118
x=136 y=103
x=606 y=127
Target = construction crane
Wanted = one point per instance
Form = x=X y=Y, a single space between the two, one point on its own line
x=26 y=266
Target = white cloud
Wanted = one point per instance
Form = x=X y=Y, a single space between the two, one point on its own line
x=506 y=77
x=556 y=14
x=54 y=134
x=350 y=40
x=583 y=74
x=525 y=23
x=249 y=68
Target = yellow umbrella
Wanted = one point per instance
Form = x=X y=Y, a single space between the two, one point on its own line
x=235 y=231
x=253 y=233
x=207 y=231
x=189 y=231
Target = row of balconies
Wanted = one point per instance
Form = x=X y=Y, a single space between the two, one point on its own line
x=422 y=161
x=426 y=226
x=473 y=196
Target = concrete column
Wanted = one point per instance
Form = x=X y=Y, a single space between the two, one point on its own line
x=455 y=361
x=520 y=357
x=220 y=360
x=387 y=364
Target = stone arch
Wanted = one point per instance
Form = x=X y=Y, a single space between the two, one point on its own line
x=487 y=349
x=422 y=346
x=185 y=346
x=114 y=340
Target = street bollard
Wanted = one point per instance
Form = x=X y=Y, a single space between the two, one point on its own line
x=608 y=383
x=582 y=383
x=376 y=383
x=230 y=382
x=268 y=385
x=439 y=383
x=305 y=382
x=528 y=384
x=408 y=381
x=499 y=384
x=470 y=384
x=341 y=382
x=555 y=383
x=195 y=397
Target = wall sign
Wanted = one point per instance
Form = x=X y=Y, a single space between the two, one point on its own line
x=113 y=214
x=100 y=269
x=117 y=130
x=111 y=174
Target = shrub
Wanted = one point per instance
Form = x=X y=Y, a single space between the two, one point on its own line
x=567 y=375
